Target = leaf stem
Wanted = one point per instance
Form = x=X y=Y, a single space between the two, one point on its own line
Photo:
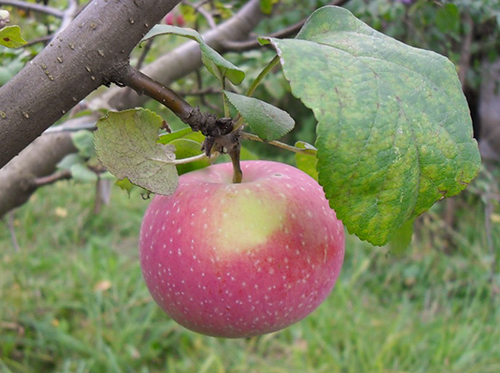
x=239 y=120
x=279 y=144
x=183 y=160
x=225 y=104
x=262 y=75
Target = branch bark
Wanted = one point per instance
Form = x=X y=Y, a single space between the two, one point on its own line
x=81 y=58
x=166 y=69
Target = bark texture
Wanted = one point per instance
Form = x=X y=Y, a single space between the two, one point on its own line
x=87 y=54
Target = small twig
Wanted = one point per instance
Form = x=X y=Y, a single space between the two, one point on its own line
x=207 y=16
x=68 y=15
x=34 y=7
x=206 y=123
x=203 y=99
x=196 y=5
x=279 y=144
x=42 y=39
x=51 y=179
x=143 y=84
x=144 y=53
x=12 y=230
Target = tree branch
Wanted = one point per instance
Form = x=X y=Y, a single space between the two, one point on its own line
x=34 y=162
x=89 y=52
x=242 y=46
x=51 y=179
x=207 y=123
x=34 y=7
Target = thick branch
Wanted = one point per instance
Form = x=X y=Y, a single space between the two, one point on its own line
x=198 y=121
x=144 y=85
x=166 y=69
x=18 y=178
x=84 y=56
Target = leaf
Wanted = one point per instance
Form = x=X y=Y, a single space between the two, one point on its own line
x=306 y=161
x=184 y=133
x=267 y=121
x=401 y=239
x=125 y=184
x=10 y=37
x=126 y=143
x=185 y=148
x=214 y=62
x=394 y=133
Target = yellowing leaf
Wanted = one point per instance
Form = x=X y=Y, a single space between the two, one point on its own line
x=126 y=143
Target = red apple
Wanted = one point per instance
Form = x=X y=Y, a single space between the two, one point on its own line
x=238 y=260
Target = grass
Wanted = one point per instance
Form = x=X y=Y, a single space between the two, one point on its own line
x=73 y=300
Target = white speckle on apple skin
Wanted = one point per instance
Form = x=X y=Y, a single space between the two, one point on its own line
x=278 y=257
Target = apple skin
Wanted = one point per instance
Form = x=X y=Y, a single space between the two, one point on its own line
x=239 y=260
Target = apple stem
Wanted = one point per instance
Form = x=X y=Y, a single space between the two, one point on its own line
x=235 y=159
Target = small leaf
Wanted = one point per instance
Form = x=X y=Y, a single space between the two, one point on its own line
x=185 y=133
x=214 y=62
x=394 y=132
x=306 y=161
x=185 y=148
x=125 y=184
x=126 y=144
x=267 y=121
x=10 y=37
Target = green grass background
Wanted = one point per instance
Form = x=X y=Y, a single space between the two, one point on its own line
x=73 y=300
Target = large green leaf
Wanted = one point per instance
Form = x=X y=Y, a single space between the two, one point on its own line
x=126 y=143
x=214 y=62
x=394 y=132
x=267 y=121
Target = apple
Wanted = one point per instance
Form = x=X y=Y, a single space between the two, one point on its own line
x=238 y=260
x=174 y=20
